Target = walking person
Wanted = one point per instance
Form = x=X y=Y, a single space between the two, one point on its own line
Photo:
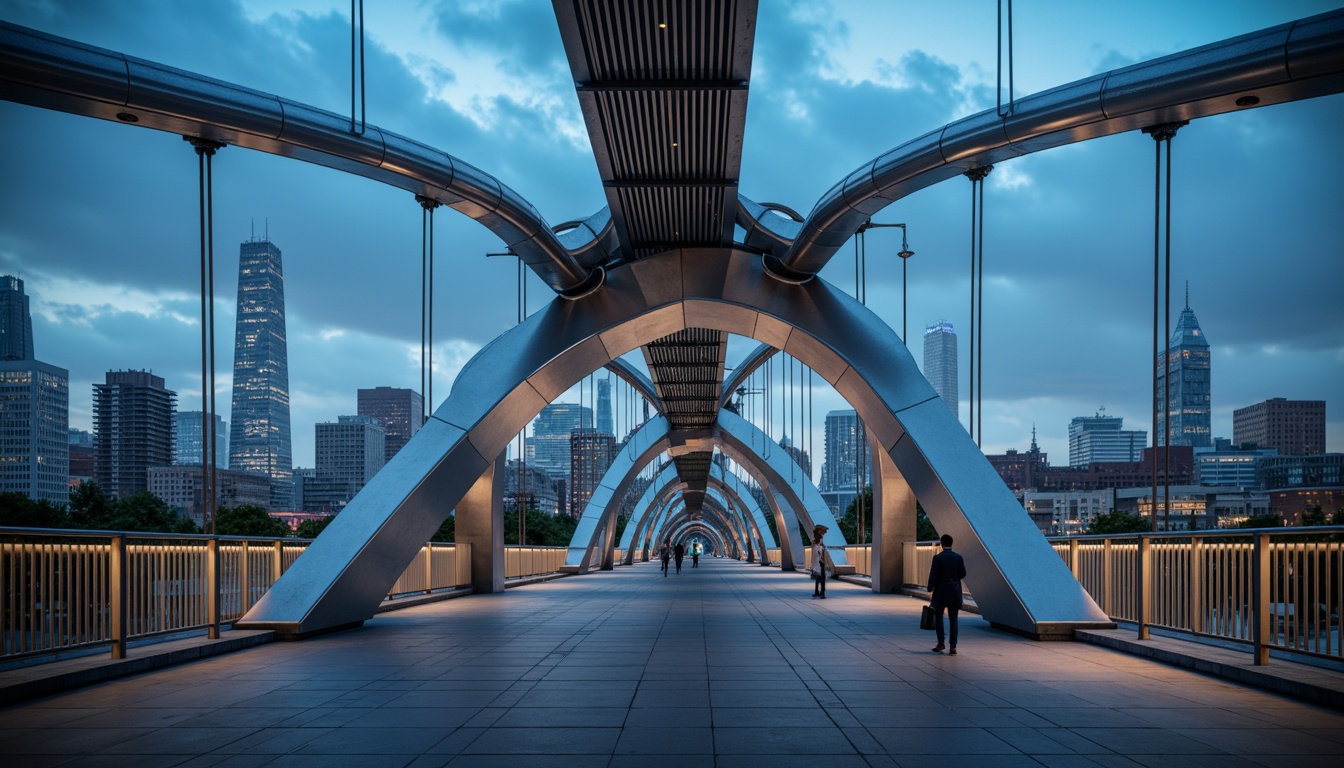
x=695 y=554
x=945 y=577
x=665 y=554
x=679 y=554
x=819 y=562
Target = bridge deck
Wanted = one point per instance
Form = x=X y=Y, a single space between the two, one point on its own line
x=727 y=664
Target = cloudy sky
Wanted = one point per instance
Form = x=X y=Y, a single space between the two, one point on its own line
x=100 y=219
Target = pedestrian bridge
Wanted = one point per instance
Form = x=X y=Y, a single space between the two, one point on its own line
x=726 y=664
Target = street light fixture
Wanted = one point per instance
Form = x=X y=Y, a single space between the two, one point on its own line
x=905 y=253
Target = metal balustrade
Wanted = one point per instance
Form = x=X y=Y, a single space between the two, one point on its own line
x=1270 y=588
x=63 y=590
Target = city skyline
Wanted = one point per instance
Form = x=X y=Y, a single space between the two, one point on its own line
x=1066 y=253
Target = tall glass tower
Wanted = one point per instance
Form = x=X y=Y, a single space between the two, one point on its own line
x=940 y=361
x=605 y=421
x=259 y=441
x=1188 y=405
x=34 y=407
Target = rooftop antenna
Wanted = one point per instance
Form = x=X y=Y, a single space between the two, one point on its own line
x=1187 y=294
x=268 y=229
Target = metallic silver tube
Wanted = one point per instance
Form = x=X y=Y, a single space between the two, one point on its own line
x=1300 y=60
x=55 y=73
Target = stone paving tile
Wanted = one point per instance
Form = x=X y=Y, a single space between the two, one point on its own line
x=729 y=667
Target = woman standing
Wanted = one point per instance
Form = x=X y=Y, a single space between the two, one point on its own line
x=819 y=562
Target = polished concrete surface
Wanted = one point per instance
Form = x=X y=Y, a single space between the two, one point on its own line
x=727 y=664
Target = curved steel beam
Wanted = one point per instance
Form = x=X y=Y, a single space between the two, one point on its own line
x=670 y=528
x=758 y=357
x=1017 y=579
x=653 y=495
x=663 y=491
x=1299 y=60
x=632 y=376
x=55 y=73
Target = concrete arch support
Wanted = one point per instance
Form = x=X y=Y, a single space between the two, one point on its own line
x=1017 y=579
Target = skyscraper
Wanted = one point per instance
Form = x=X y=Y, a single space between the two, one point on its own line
x=590 y=454
x=605 y=421
x=940 y=361
x=1098 y=439
x=260 y=439
x=349 y=453
x=399 y=410
x=34 y=407
x=190 y=447
x=16 y=322
x=549 y=444
x=1188 y=403
x=132 y=430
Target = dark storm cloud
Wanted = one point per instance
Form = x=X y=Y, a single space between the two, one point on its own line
x=521 y=32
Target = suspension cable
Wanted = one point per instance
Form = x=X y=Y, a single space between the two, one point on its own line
x=427 y=205
x=205 y=152
x=1162 y=135
x=363 y=112
x=999 y=89
x=977 y=176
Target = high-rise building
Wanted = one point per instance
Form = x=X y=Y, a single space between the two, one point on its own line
x=1095 y=439
x=1294 y=427
x=349 y=453
x=400 y=410
x=260 y=439
x=83 y=457
x=548 y=448
x=845 y=460
x=16 y=322
x=189 y=447
x=940 y=361
x=183 y=488
x=34 y=407
x=590 y=454
x=1229 y=467
x=132 y=430
x=1188 y=398
x=605 y=420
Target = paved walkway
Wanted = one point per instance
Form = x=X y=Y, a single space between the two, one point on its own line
x=728 y=664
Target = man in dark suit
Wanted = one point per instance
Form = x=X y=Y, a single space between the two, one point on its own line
x=945 y=586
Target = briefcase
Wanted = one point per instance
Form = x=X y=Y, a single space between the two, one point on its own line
x=927 y=618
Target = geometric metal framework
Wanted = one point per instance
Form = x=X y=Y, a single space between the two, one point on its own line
x=663 y=88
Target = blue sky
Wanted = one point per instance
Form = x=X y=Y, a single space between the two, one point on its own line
x=100 y=218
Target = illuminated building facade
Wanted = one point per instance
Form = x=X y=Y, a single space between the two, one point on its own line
x=1188 y=400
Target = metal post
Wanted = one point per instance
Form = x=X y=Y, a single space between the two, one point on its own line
x=278 y=561
x=244 y=583
x=429 y=567
x=1260 y=599
x=117 y=589
x=1144 y=598
x=1196 y=584
x=1106 y=589
x=1075 y=557
x=212 y=587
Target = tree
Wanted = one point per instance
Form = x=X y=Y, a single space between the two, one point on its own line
x=248 y=520
x=447 y=531
x=1116 y=521
x=924 y=530
x=17 y=510
x=1317 y=516
x=309 y=529
x=90 y=507
x=1261 y=521
x=145 y=512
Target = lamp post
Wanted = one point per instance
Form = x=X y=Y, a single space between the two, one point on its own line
x=905 y=253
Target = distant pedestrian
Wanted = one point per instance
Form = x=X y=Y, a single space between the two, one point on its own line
x=945 y=577
x=665 y=554
x=819 y=562
x=680 y=554
x=695 y=554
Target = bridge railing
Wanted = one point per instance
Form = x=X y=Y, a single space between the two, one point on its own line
x=1268 y=588
x=62 y=590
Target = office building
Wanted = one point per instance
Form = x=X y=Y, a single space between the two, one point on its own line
x=590 y=454
x=605 y=420
x=188 y=445
x=844 y=470
x=1059 y=513
x=1022 y=471
x=83 y=457
x=940 y=361
x=34 y=407
x=1187 y=394
x=259 y=441
x=529 y=487
x=548 y=448
x=183 y=488
x=798 y=455
x=1100 y=438
x=1228 y=466
x=1292 y=427
x=401 y=412
x=132 y=430
x=350 y=451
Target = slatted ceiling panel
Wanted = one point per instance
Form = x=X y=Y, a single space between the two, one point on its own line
x=626 y=43
x=642 y=127
x=694 y=465
x=653 y=220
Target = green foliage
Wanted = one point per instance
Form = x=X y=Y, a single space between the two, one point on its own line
x=543 y=530
x=1261 y=521
x=621 y=521
x=924 y=530
x=146 y=512
x=17 y=510
x=1116 y=521
x=309 y=529
x=447 y=531
x=1317 y=516
x=90 y=507
x=248 y=520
